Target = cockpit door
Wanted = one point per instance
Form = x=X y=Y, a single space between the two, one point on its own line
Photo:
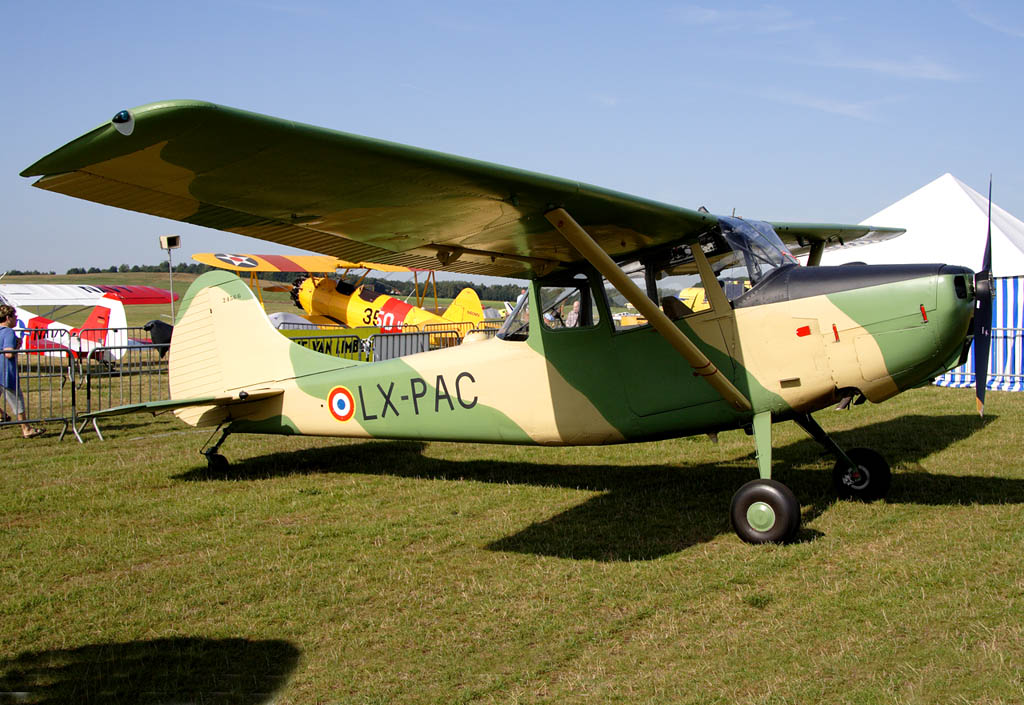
x=655 y=378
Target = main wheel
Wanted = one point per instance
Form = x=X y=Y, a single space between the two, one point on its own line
x=765 y=511
x=215 y=462
x=868 y=481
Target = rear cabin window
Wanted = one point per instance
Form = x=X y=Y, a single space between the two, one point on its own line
x=570 y=306
x=564 y=305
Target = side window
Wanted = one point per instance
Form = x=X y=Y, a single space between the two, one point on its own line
x=680 y=293
x=569 y=305
x=671 y=278
x=624 y=314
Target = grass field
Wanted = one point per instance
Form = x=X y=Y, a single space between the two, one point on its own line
x=334 y=571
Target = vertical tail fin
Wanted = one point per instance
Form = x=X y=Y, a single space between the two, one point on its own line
x=223 y=342
x=466 y=308
x=106 y=323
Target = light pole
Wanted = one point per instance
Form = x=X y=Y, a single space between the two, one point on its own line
x=170 y=242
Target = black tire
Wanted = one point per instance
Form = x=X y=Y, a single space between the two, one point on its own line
x=215 y=462
x=869 y=481
x=783 y=519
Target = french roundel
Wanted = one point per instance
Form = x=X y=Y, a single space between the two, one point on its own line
x=341 y=404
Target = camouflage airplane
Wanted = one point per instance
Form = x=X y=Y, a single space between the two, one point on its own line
x=329 y=301
x=557 y=373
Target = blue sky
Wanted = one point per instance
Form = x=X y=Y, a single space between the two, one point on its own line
x=801 y=111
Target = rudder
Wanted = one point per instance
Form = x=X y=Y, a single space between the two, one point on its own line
x=466 y=308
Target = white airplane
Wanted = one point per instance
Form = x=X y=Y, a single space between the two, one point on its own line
x=103 y=336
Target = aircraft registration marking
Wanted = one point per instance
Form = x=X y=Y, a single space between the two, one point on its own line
x=390 y=400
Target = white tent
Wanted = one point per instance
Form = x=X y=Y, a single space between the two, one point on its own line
x=946 y=222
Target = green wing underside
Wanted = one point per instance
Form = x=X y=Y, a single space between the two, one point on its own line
x=354 y=197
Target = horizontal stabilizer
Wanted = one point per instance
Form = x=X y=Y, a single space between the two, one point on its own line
x=153 y=407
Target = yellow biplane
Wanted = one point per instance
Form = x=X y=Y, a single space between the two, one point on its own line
x=328 y=301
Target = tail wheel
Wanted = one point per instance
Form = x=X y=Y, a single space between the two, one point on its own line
x=765 y=511
x=868 y=481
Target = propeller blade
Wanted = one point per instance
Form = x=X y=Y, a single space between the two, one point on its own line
x=983 y=287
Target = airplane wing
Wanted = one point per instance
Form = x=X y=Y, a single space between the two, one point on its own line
x=351 y=197
x=271 y=263
x=801 y=238
x=287 y=263
x=82 y=294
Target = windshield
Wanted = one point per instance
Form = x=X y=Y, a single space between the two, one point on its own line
x=757 y=251
x=517 y=323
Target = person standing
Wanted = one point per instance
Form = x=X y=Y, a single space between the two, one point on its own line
x=9 y=369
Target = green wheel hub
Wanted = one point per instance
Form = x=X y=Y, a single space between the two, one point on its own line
x=761 y=516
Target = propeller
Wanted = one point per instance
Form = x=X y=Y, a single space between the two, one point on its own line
x=983 y=287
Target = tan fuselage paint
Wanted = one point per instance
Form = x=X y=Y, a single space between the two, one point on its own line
x=224 y=343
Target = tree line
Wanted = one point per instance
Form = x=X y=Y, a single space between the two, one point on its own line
x=446 y=289
x=180 y=268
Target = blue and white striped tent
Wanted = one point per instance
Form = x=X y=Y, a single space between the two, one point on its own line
x=1006 y=359
x=946 y=222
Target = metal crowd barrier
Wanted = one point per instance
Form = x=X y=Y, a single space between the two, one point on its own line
x=60 y=383
x=488 y=332
x=462 y=329
x=116 y=375
x=47 y=383
x=387 y=346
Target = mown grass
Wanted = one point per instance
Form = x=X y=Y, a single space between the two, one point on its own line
x=333 y=571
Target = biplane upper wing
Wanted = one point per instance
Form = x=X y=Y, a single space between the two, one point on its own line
x=351 y=197
x=286 y=263
x=82 y=294
x=271 y=263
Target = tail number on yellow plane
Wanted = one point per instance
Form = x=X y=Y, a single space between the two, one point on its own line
x=390 y=316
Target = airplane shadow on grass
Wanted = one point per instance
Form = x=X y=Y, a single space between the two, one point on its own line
x=649 y=511
x=181 y=669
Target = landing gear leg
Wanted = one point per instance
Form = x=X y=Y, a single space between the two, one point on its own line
x=859 y=473
x=765 y=510
x=216 y=462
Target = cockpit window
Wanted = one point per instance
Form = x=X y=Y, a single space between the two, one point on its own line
x=741 y=253
x=569 y=306
x=565 y=303
x=754 y=252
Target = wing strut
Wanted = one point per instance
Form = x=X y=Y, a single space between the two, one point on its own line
x=814 y=257
x=702 y=366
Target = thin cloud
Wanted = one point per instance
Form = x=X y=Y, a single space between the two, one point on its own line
x=863 y=110
x=988 y=19
x=607 y=101
x=766 y=19
x=287 y=8
x=915 y=68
